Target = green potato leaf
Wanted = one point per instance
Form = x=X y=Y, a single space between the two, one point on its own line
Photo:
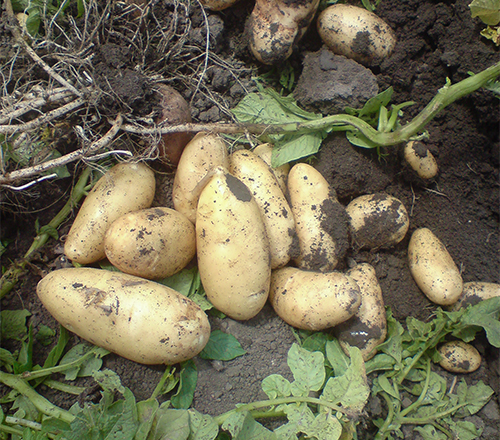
x=14 y=324
x=308 y=369
x=242 y=426
x=487 y=10
x=222 y=346
x=187 y=384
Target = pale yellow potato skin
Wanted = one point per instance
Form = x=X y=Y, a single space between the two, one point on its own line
x=265 y=152
x=232 y=247
x=199 y=158
x=138 y=319
x=276 y=213
x=124 y=188
x=218 y=5
x=475 y=292
x=421 y=160
x=313 y=300
x=377 y=221
x=151 y=243
x=309 y=191
x=433 y=268
x=356 y=33
x=459 y=357
x=368 y=327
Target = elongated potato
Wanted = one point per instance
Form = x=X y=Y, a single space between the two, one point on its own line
x=368 y=327
x=138 y=319
x=276 y=213
x=152 y=243
x=320 y=220
x=232 y=247
x=265 y=152
x=313 y=300
x=433 y=269
x=200 y=156
x=420 y=160
x=124 y=188
x=475 y=292
x=459 y=357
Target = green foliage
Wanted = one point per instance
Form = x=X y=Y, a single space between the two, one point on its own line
x=487 y=10
x=222 y=346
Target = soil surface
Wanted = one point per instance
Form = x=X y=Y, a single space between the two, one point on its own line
x=436 y=40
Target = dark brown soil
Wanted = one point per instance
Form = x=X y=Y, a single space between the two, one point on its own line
x=436 y=40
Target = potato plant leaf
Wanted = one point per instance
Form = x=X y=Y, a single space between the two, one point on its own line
x=308 y=369
x=242 y=426
x=88 y=367
x=183 y=398
x=202 y=426
x=222 y=346
x=487 y=10
x=14 y=324
x=276 y=385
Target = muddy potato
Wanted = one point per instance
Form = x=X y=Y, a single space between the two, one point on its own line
x=124 y=188
x=320 y=220
x=459 y=357
x=152 y=243
x=218 y=5
x=199 y=158
x=475 y=292
x=377 y=221
x=421 y=160
x=276 y=213
x=313 y=300
x=138 y=319
x=265 y=152
x=368 y=327
x=232 y=247
x=356 y=33
x=433 y=268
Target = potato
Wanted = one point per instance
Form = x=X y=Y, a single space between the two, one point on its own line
x=275 y=26
x=459 y=357
x=368 y=327
x=151 y=243
x=265 y=152
x=232 y=247
x=138 y=319
x=174 y=110
x=200 y=157
x=313 y=300
x=377 y=221
x=320 y=220
x=276 y=213
x=356 y=33
x=421 y=160
x=218 y=5
x=126 y=187
x=475 y=292
x=433 y=269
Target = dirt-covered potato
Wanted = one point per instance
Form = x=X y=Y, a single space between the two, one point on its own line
x=124 y=188
x=174 y=110
x=136 y=318
x=199 y=158
x=377 y=221
x=433 y=268
x=218 y=5
x=368 y=327
x=421 y=160
x=232 y=247
x=275 y=26
x=313 y=300
x=475 y=292
x=276 y=213
x=356 y=33
x=459 y=357
x=152 y=243
x=265 y=152
x=320 y=220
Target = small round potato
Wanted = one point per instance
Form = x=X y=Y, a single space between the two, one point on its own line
x=320 y=220
x=138 y=319
x=368 y=327
x=265 y=152
x=313 y=300
x=152 y=243
x=459 y=357
x=377 y=221
x=433 y=268
x=421 y=160
x=199 y=158
x=475 y=292
x=356 y=33
x=126 y=187
x=232 y=247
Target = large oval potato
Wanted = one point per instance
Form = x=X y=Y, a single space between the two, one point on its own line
x=152 y=243
x=313 y=300
x=138 y=319
x=265 y=152
x=433 y=268
x=199 y=158
x=126 y=187
x=276 y=213
x=368 y=327
x=232 y=247
x=320 y=220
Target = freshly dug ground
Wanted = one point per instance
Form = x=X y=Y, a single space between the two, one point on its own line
x=436 y=40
